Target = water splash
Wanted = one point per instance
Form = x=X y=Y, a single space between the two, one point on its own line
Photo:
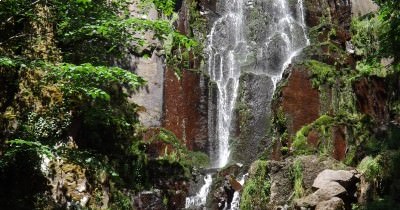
x=236 y=196
x=201 y=197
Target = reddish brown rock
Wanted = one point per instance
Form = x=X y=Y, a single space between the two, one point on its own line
x=339 y=142
x=300 y=100
x=183 y=21
x=313 y=138
x=372 y=98
x=186 y=108
x=339 y=11
x=155 y=147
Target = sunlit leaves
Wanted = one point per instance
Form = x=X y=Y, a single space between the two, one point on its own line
x=92 y=81
x=389 y=14
x=20 y=144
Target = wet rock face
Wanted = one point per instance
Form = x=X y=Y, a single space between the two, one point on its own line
x=186 y=108
x=210 y=5
x=338 y=10
x=281 y=182
x=149 y=200
x=267 y=35
x=327 y=13
x=339 y=143
x=362 y=7
x=222 y=189
x=300 y=101
x=372 y=98
x=150 y=97
x=253 y=114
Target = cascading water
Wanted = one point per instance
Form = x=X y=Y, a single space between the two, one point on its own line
x=225 y=40
x=236 y=197
x=200 y=198
x=257 y=37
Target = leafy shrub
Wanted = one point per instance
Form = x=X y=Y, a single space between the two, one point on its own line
x=255 y=194
x=297 y=172
x=371 y=168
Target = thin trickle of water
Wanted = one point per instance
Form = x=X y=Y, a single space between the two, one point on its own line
x=201 y=197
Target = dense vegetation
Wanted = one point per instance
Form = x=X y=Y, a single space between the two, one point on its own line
x=64 y=109
x=64 y=90
x=372 y=145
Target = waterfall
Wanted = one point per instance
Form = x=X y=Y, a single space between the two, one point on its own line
x=256 y=36
x=224 y=41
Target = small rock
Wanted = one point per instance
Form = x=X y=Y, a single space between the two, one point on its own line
x=334 y=203
x=330 y=190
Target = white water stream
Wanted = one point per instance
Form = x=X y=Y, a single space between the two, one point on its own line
x=236 y=197
x=201 y=197
x=224 y=70
x=229 y=48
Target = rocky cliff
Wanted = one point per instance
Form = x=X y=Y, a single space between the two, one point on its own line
x=325 y=116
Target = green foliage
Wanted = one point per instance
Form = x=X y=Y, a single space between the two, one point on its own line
x=256 y=190
x=165 y=6
x=297 y=173
x=73 y=17
x=76 y=107
x=198 y=159
x=323 y=124
x=366 y=36
x=48 y=125
x=322 y=73
x=17 y=145
x=371 y=168
x=174 y=151
x=7 y=62
x=389 y=15
x=300 y=144
x=91 y=81
x=371 y=69
x=120 y=201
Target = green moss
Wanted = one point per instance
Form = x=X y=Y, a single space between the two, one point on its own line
x=120 y=201
x=300 y=144
x=322 y=73
x=351 y=155
x=198 y=159
x=323 y=126
x=256 y=190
